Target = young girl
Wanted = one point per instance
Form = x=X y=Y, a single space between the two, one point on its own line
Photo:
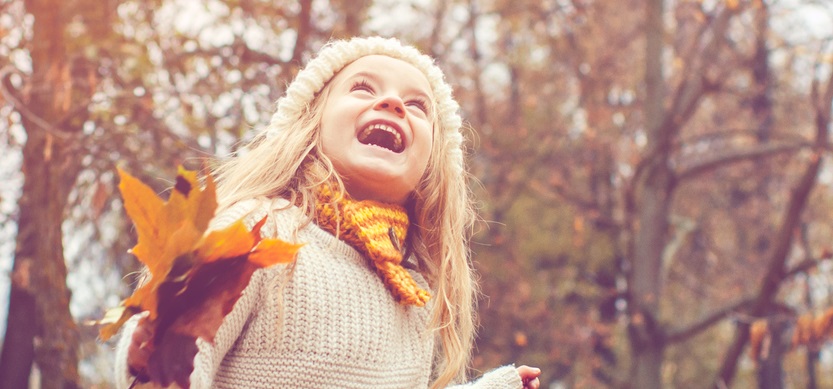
x=363 y=163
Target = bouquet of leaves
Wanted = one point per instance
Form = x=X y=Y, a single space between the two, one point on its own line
x=195 y=275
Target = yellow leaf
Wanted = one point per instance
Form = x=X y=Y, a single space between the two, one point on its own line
x=273 y=251
x=174 y=232
x=757 y=332
x=233 y=241
x=188 y=202
x=144 y=208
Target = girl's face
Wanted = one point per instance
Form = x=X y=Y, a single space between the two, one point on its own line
x=377 y=128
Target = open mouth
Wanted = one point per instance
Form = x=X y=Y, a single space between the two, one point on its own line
x=382 y=135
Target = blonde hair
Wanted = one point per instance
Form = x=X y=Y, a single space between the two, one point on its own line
x=285 y=160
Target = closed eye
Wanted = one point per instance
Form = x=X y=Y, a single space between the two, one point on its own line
x=419 y=104
x=361 y=85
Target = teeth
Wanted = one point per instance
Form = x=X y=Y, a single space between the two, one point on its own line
x=397 y=144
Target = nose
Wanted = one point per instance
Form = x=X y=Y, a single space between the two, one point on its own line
x=391 y=104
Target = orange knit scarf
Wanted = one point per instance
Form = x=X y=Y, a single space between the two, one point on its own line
x=375 y=230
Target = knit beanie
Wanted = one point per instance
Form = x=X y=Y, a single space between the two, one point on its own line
x=335 y=55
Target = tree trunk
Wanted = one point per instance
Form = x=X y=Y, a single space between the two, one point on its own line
x=776 y=269
x=304 y=30
x=770 y=367
x=812 y=361
x=653 y=200
x=18 y=345
x=40 y=327
x=355 y=12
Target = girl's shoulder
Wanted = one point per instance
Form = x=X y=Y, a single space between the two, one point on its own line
x=237 y=211
x=280 y=215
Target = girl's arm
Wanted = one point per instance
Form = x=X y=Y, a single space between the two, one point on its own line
x=209 y=355
x=506 y=377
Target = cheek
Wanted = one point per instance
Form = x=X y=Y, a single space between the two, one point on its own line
x=331 y=137
x=426 y=147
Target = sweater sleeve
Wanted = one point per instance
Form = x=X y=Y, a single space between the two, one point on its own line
x=209 y=354
x=122 y=377
x=505 y=377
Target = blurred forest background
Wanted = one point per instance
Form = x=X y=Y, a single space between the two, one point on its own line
x=654 y=176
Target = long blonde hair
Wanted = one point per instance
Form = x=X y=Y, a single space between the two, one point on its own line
x=289 y=163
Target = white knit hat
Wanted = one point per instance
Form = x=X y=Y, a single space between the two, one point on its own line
x=335 y=55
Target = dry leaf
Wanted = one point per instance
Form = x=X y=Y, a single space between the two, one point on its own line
x=195 y=277
x=757 y=332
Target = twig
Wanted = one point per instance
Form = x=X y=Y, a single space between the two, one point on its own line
x=7 y=72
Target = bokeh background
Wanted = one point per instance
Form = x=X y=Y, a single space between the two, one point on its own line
x=653 y=176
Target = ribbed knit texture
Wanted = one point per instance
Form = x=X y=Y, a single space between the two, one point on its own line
x=376 y=230
x=325 y=321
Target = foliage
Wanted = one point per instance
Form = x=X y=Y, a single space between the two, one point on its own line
x=195 y=277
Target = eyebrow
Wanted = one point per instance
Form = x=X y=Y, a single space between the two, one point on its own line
x=375 y=78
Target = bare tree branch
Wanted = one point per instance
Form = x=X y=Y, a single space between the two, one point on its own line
x=5 y=90
x=705 y=322
x=439 y=16
x=559 y=192
x=691 y=90
x=803 y=267
x=684 y=333
x=304 y=28
x=776 y=272
x=757 y=153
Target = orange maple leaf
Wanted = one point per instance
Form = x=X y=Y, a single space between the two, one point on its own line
x=757 y=338
x=196 y=277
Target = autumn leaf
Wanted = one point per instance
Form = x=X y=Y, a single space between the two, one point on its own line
x=196 y=277
x=808 y=330
x=757 y=334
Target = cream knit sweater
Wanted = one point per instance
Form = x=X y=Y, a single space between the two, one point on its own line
x=325 y=322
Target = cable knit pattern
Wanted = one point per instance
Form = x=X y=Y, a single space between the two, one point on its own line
x=325 y=321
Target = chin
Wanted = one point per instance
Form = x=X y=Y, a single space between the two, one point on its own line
x=379 y=189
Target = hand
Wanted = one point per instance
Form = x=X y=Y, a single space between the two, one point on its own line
x=529 y=376
x=138 y=352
